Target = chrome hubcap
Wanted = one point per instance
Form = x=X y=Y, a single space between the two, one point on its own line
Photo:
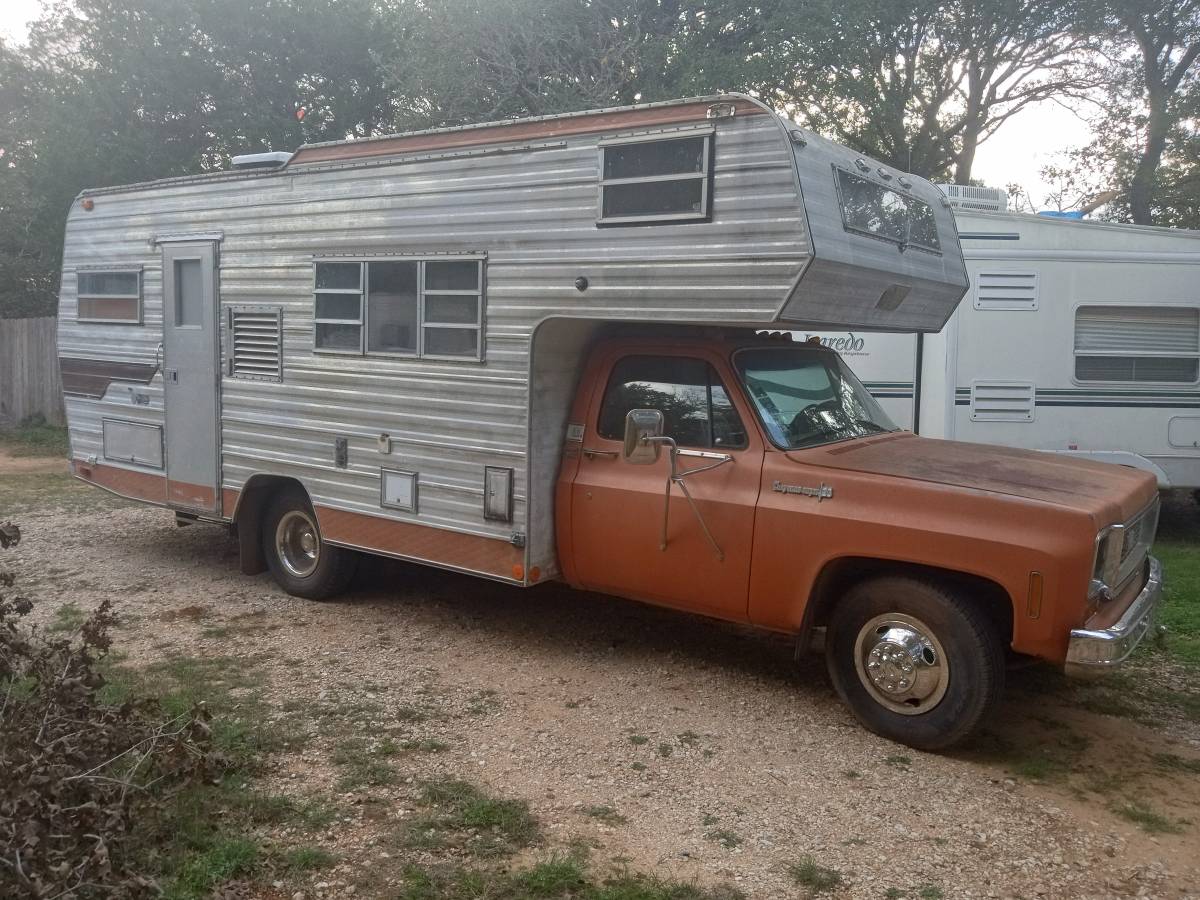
x=901 y=663
x=298 y=543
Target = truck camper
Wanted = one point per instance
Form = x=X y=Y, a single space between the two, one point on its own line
x=540 y=350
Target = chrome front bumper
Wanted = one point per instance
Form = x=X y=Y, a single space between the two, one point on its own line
x=1094 y=651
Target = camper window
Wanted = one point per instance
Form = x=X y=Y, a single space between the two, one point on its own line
x=404 y=307
x=870 y=208
x=645 y=181
x=112 y=296
x=1137 y=344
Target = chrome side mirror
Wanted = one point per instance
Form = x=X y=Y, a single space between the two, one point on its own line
x=641 y=425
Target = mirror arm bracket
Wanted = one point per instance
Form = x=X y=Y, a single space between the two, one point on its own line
x=676 y=477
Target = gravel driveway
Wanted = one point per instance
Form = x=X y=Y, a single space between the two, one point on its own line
x=667 y=743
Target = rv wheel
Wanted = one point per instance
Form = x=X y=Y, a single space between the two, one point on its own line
x=300 y=562
x=914 y=661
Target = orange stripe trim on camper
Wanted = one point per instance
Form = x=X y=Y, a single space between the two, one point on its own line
x=565 y=126
x=485 y=556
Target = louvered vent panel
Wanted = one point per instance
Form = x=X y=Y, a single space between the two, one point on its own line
x=1006 y=290
x=256 y=343
x=1002 y=401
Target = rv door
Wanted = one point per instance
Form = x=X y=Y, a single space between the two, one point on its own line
x=190 y=361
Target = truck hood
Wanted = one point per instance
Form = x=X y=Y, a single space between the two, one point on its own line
x=1109 y=492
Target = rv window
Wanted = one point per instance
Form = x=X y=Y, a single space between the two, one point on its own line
x=693 y=401
x=656 y=181
x=1137 y=344
x=410 y=307
x=113 y=297
x=872 y=209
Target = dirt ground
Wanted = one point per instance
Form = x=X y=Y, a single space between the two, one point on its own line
x=721 y=757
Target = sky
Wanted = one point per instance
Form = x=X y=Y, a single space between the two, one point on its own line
x=1015 y=154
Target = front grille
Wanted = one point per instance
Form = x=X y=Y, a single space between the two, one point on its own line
x=1137 y=540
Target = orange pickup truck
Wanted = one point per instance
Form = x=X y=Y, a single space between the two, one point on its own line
x=794 y=503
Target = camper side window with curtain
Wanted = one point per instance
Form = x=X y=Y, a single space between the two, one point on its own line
x=111 y=296
x=656 y=181
x=1137 y=344
x=400 y=307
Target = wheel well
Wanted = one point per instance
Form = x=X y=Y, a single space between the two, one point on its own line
x=248 y=516
x=840 y=575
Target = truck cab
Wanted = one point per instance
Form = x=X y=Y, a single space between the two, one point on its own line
x=753 y=479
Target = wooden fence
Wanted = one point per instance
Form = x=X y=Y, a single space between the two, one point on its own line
x=29 y=379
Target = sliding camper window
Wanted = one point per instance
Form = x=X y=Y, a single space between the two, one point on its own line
x=1153 y=344
x=646 y=181
x=111 y=296
x=877 y=211
x=400 y=307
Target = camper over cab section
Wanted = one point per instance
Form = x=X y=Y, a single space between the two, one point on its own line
x=531 y=350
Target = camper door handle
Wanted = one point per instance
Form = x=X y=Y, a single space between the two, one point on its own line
x=158 y=356
x=592 y=454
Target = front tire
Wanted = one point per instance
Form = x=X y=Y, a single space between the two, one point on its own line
x=915 y=661
x=300 y=561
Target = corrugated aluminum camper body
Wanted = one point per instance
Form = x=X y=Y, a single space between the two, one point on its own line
x=501 y=235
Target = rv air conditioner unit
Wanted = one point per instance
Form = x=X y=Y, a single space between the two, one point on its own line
x=983 y=199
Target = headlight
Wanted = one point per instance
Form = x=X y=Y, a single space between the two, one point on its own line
x=1107 y=565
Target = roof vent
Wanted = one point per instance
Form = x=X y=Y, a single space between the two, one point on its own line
x=982 y=199
x=261 y=160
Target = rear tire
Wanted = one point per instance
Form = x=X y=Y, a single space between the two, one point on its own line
x=300 y=561
x=916 y=662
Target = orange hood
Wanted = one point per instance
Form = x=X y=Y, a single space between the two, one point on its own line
x=1109 y=492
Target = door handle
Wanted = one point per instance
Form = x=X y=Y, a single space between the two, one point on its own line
x=171 y=375
x=591 y=453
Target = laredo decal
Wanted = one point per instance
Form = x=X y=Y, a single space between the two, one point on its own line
x=847 y=344
x=824 y=492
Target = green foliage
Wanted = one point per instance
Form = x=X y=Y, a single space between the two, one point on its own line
x=34 y=436
x=1146 y=818
x=1181 y=601
x=461 y=815
x=559 y=878
x=813 y=877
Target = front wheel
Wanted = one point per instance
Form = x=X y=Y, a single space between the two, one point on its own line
x=915 y=661
x=300 y=561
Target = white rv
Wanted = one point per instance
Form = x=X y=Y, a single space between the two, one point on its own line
x=1076 y=336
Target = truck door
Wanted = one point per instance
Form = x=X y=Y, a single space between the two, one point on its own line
x=617 y=508
x=190 y=354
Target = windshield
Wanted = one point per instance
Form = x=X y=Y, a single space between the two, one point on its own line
x=806 y=396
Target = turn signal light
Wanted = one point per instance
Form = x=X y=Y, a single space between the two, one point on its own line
x=1034 y=607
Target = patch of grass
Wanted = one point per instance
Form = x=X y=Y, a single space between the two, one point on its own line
x=852 y=773
x=726 y=838
x=899 y=760
x=407 y=712
x=559 y=878
x=425 y=745
x=204 y=868
x=930 y=892
x=463 y=816
x=709 y=819
x=813 y=877
x=483 y=702
x=638 y=739
x=689 y=739
x=38 y=493
x=1176 y=763
x=606 y=814
x=363 y=764
x=665 y=749
x=1181 y=599
x=67 y=617
x=638 y=766
x=893 y=893
x=34 y=436
x=308 y=859
x=1146 y=819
